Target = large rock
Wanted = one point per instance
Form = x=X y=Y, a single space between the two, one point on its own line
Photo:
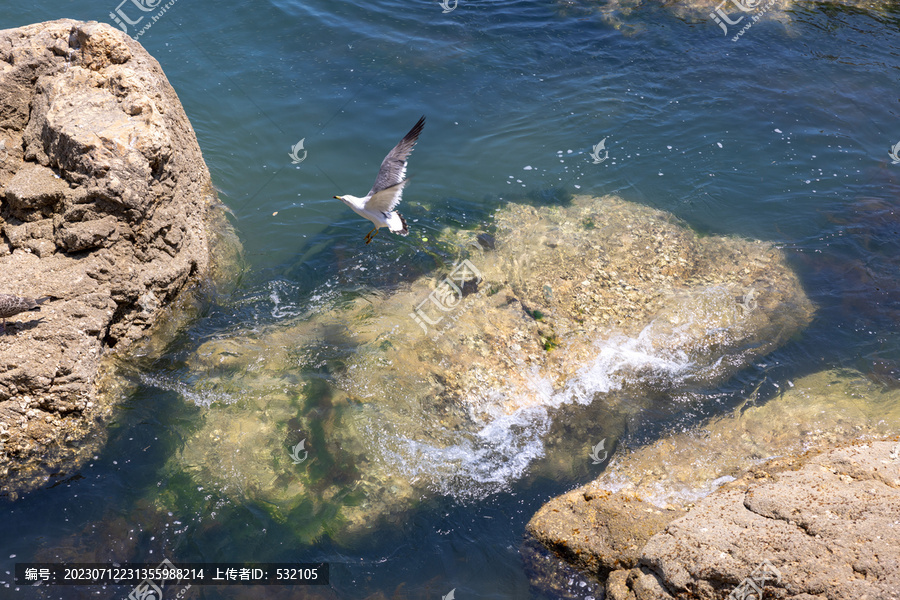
x=611 y=531
x=826 y=524
x=553 y=330
x=106 y=205
x=721 y=540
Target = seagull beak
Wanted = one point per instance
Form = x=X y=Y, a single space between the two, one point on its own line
x=337 y=197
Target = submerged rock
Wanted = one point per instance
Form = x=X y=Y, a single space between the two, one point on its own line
x=728 y=17
x=820 y=410
x=451 y=386
x=107 y=207
x=826 y=409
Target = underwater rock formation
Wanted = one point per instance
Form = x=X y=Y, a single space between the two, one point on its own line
x=451 y=386
x=107 y=207
x=730 y=17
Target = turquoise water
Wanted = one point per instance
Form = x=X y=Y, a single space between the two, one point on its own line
x=783 y=136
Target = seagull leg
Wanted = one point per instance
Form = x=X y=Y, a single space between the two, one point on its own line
x=371 y=235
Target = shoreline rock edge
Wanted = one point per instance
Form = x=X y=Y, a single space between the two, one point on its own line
x=106 y=206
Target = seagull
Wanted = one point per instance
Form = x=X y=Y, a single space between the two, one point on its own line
x=13 y=305
x=378 y=205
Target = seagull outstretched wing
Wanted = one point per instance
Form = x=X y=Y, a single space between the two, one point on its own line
x=389 y=183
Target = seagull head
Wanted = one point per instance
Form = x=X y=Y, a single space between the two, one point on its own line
x=351 y=200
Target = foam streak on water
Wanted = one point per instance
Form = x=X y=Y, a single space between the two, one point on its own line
x=187 y=391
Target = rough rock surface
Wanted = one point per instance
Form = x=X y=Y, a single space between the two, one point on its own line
x=106 y=205
x=733 y=529
x=827 y=523
x=611 y=532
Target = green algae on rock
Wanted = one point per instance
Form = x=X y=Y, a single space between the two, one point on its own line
x=450 y=386
x=819 y=410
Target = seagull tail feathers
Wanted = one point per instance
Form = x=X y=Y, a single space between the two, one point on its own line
x=397 y=224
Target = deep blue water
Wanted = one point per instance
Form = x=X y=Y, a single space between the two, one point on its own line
x=782 y=136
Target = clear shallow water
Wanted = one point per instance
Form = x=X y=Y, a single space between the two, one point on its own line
x=782 y=136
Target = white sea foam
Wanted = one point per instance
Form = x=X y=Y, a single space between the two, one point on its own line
x=474 y=466
x=622 y=360
x=477 y=465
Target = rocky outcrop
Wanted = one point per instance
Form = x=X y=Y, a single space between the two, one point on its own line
x=815 y=514
x=612 y=528
x=822 y=526
x=107 y=207
x=513 y=362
